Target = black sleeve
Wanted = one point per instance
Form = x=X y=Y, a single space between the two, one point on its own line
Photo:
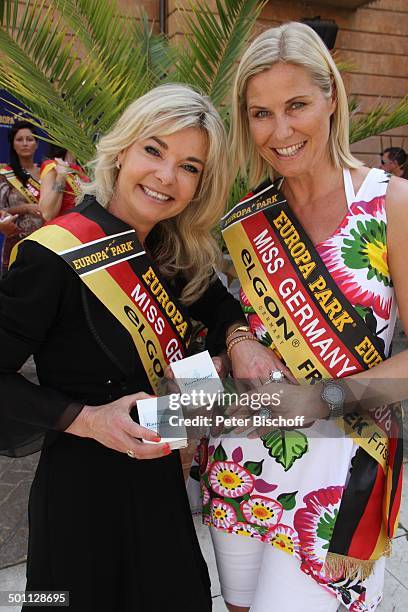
x=217 y=309
x=31 y=298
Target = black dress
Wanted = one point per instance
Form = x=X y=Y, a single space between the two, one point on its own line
x=115 y=532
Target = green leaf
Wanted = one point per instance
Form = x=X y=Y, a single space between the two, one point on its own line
x=381 y=118
x=288 y=500
x=285 y=446
x=213 y=44
x=220 y=454
x=325 y=526
x=255 y=467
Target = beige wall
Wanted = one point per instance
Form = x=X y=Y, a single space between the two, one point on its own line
x=373 y=38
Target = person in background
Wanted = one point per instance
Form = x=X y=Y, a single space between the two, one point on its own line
x=61 y=180
x=394 y=161
x=19 y=190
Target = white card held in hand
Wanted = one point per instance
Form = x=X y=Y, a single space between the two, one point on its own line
x=197 y=374
x=155 y=414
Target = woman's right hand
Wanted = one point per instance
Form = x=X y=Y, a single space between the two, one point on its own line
x=62 y=168
x=112 y=426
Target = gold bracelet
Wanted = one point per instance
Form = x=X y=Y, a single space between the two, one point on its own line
x=243 y=328
x=247 y=335
x=240 y=339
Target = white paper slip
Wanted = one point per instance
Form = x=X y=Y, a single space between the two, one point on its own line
x=155 y=414
x=197 y=374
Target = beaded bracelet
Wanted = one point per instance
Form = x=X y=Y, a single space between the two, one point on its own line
x=243 y=328
x=240 y=339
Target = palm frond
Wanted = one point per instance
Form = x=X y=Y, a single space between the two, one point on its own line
x=214 y=44
x=380 y=119
x=102 y=28
x=73 y=97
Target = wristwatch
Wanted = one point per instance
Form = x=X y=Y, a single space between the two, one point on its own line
x=333 y=394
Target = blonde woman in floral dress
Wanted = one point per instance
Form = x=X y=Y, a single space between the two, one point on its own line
x=316 y=508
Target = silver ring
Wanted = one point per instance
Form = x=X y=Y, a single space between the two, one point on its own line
x=265 y=412
x=130 y=454
x=276 y=376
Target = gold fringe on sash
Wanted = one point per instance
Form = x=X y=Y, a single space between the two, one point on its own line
x=350 y=567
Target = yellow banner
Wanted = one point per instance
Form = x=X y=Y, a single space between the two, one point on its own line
x=288 y=340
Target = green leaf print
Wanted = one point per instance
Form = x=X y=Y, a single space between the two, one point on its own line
x=194 y=472
x=255 y=467
x=266 y=339
x=361 y=310
x=288 y=500
x=236 y=505
x=285 y=446
x=326 y=526
x=220 y=454
x=248 y=309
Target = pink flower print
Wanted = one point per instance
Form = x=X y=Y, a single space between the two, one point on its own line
x=205 y=495
x=245 y=529
x=284 y=538
x=262 y=511
x=223 y=514
x=315 y=523
x=230 y=479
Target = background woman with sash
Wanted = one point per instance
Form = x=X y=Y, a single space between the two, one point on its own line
x=102 y=297
x=19 y=189
x=61 y=180
x=322 y=262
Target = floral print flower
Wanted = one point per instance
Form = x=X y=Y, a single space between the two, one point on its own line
x=367 y=248
x=230 y=479
x=259 y=329
x=205 y=495
x=315 y=522
x=284 y=538
x=223 y=514
x=262 y=511
x=356 y=257
x=244 y=300
x=202 y=455
x=246 y=530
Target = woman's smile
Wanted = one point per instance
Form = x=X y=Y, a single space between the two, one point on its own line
x=155 y=195
x=291 y=151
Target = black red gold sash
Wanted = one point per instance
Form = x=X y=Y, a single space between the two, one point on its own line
x=314 y=327
x=72 y=178
x=118 y=271
x=31 y=192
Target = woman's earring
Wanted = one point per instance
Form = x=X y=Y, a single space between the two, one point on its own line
x=118 y=164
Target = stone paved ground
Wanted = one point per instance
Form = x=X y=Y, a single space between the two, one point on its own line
x=15 y=481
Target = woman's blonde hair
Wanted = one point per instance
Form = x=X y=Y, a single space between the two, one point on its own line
x=184 y=243
x=297 y=44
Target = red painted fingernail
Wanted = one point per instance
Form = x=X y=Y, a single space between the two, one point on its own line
x=167 y=449
x=157 y=439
